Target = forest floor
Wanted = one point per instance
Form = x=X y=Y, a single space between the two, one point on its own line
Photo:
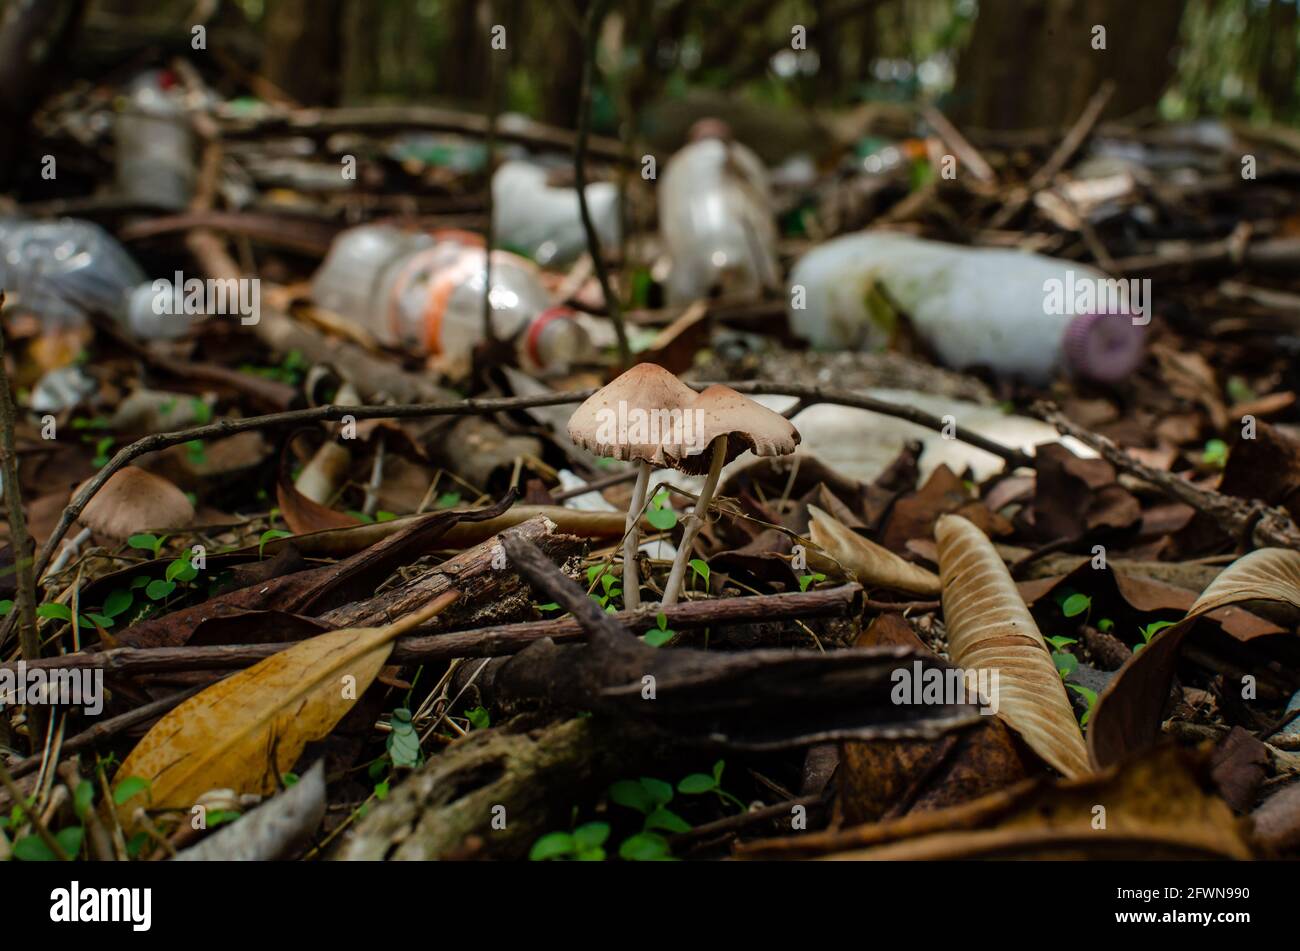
x=318 y=550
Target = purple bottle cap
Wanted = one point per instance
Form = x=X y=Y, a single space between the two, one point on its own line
x=1103 y=347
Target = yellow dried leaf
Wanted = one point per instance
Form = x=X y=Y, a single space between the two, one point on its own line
x=244 y=732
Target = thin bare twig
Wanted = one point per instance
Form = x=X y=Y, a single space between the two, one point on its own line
x=29 y=641
x=1080 y=131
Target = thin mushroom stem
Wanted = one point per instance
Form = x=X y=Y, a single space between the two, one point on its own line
x=694 y=522
x=632 y=538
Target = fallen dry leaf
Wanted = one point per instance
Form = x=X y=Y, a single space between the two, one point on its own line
x=872 y=565
x=244 y=732
x=989 y=628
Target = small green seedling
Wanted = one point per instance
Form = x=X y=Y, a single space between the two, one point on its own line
x=147 y=542
x=810 y=579
x=479 y=718
x=698 y=784
x=270 y=535
x=650 y=797
x=660 y=514
x=609 y=587
x=1150 y=631
x=1066 y=664
x=661 y=634
x=1215 y=453
x=700 y=567
x=1073 y=604
x=403 y=743
x=1088 y=695
x=584 y=844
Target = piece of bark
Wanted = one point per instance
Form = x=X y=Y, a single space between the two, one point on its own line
x=526 y=779
x=490 y=590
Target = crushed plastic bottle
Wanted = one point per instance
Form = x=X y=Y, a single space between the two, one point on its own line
x=543 y=220
x=717 y=220
x=1017 y=313
x=155 y=143
x=423 y=293
x=63 y=271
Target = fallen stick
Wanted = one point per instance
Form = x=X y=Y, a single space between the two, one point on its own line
x=495 y=641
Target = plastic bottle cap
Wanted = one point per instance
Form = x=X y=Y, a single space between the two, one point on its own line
x=1103 y=347
x=539 y=323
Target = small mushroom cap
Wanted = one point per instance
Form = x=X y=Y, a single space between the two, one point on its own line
x=134 y=500
x=621 y=419
x=649 y=415
x=744 y=423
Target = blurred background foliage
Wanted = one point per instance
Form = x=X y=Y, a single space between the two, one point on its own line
x=997 y=64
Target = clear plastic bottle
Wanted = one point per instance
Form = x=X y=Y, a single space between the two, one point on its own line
x=974 y=306
x=716 y=217
x=63 y=271
x=530 y=214
x=155 y=143
x=423 y=293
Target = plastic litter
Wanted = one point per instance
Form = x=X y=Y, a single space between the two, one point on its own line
x=716 y=216
x=155 y=143
x=63 y=271
x=423 y=293
x=974 y=306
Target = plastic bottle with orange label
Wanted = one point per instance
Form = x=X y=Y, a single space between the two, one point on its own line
x=423 y=293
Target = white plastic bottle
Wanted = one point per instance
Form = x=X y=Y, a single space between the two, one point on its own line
x=974 y=306
x=716 y=217
x=530 y=214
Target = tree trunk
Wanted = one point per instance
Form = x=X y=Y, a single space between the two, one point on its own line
x=1032 y=63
